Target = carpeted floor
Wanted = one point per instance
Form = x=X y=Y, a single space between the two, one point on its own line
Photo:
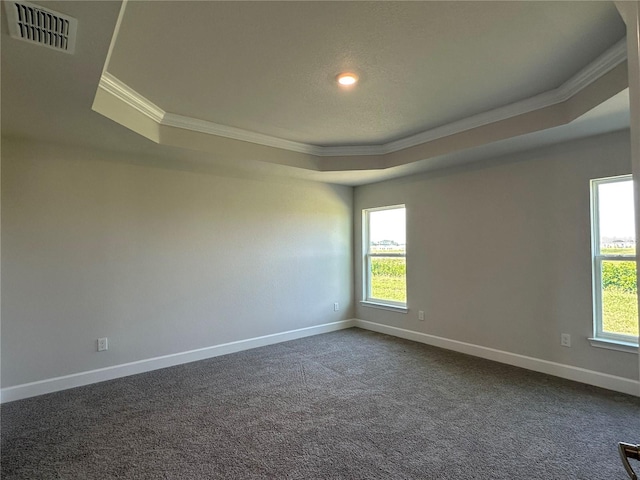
x=351 y=404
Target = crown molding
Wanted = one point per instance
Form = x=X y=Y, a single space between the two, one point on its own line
x=592 y=72
x=126 y=94
x=613 y=57
x=203 y=126
x=352 y=150
x=606 y=62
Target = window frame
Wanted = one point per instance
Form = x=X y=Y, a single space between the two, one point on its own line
x=367 y=255
x=597 y=259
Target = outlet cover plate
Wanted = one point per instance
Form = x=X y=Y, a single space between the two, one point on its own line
x=103 y=344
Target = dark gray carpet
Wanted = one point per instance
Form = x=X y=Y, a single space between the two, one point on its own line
x=349 y=404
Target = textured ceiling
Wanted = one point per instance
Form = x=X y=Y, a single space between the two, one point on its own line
x=47 y=95
x=269 y=67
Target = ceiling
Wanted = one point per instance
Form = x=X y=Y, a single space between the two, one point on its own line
x=251 y=85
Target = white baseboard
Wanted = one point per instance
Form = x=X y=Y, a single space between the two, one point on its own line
x=603 y=380
x=49 y=385
x=590 y=377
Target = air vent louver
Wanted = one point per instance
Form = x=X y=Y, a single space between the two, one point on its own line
x=36 y=24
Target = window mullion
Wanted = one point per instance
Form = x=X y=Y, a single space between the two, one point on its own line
x=619 y=258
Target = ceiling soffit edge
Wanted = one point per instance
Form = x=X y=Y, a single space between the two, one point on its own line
x=588 y=75
x=122 y=92
x=210 y=128
x=592 y=72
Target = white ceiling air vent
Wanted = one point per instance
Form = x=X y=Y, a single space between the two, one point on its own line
x=36 y=24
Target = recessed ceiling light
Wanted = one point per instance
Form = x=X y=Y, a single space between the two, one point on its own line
x=347 y=79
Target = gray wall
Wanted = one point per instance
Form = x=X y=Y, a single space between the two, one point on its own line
x=159 y=260
x=163 y=260
x=499 y=253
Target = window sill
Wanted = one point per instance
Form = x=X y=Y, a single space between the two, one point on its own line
x=385 y=306
x=618 y=345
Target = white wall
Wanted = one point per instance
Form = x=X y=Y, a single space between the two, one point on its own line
x=499 y=253
x=159 y=260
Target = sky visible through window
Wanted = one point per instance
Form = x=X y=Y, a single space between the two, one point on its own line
x=616 y=211
x=388 y=225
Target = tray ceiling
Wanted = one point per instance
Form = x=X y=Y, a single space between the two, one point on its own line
x=251 y=85
x=270 y=67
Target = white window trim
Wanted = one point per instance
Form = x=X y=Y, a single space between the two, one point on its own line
x=369 y=301
x=385 y=306
x=600 y=338
x=627 y=347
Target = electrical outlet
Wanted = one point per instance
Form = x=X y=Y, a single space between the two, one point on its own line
x=421 y=315
x=336 y=307
x=103 y=344
x=565 y=340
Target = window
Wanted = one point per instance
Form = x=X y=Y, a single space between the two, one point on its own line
x=385 y=257
x=615 y=290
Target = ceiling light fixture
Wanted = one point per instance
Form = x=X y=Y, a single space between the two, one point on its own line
x=347 y=79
